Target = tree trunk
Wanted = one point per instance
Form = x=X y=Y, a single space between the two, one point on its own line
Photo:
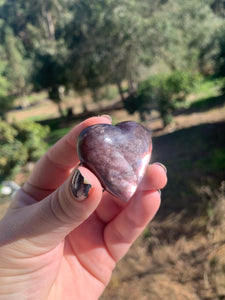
x=120 y=91
x=51 y=26
x=84 y=106
x=48 y=23
x=132 y=85
x=59 y=104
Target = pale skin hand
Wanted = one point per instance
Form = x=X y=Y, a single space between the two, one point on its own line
x=55 y=247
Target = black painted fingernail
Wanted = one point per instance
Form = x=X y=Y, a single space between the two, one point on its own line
x=161 y=165
x=80 y=186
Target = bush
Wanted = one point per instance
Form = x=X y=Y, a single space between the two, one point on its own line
x=183 y=81
x=161 y=92
x=13 y=155
x=20 y=142
x=32 y=136
x=6 y=99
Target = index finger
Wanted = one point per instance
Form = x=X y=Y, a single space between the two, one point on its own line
x=56 y=165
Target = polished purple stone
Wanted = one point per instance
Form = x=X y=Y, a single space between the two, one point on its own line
x=118 y=155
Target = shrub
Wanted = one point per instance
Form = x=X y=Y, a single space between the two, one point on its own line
x=161 y=92
x=32 y=136
x=20 y=142
x=13 y=155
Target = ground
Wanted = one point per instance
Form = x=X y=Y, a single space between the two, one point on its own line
x=181 y=254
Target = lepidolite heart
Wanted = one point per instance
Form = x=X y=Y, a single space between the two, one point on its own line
x=118 y=155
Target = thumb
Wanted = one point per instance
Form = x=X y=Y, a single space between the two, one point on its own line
x=46 y=223
x=69 y=206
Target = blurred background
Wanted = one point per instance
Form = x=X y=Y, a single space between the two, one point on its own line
x=158 y=62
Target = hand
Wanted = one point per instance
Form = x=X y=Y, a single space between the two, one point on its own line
x=54 y=245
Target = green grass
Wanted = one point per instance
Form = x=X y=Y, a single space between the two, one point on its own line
x=208 y=87
x=57 y=134
x=35 y=97
x=214 y=162
x=194 y=157
x=207 y=103
x=206 y=95
x=39 y=118
x=31 y=99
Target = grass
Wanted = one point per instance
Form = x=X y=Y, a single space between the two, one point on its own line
x=39 y=118
x=180 y=259
x=109 y=92
x=31 y=99
x=56 y=134
x=194 y=157
x=209 y=87
x=215 y=161
x=207 y=90
x=207 y=103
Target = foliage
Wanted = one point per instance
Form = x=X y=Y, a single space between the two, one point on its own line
x=12 y=151
x=5 y=104
x=14 y=68
x=59 y=45
x=221 y=57
x=105 y=40
x=183 y=34
x=32 y=136
x=218 y=6
x=161 y=92
x=4 y=86
x=50 y=73
x=57 y=134
x=17 y=65
x=28 y=34
x=20 y=142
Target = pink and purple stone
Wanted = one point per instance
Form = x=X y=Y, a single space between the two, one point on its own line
x=118 y=155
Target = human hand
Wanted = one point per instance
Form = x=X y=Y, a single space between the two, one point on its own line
x=54 y=245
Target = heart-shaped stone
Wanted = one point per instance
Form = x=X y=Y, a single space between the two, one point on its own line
x=118 y=155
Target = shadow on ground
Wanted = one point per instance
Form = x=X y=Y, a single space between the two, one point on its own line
x=180 y=255
x=194 y=157
x=203 y=105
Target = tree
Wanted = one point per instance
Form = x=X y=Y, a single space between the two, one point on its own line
x=183 y=34
x=13 y=69
x=17 y=66
x=218 y=6
x=220 y=58
x=29 y=35
x=85 y=45
x=5 y=99
x=50 y=72
x=161 y=92
x=5 y=103
x=104 y=40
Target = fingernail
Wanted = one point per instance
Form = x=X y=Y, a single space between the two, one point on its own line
x=161 y=165
x=107 y=116
x=159 y=192
x=80 y=186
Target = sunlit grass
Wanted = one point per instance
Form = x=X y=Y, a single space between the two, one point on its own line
x=207 y=88
x=30 y=99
